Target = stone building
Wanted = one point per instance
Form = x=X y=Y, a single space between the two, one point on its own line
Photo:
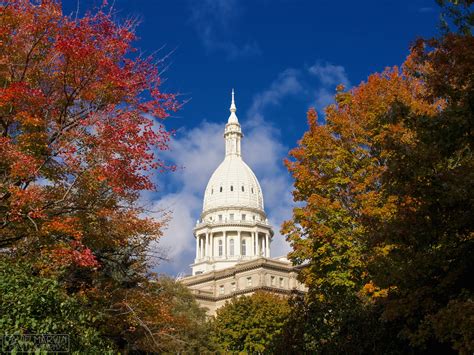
x=233 y=235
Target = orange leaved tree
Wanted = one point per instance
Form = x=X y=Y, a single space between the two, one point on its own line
x=385 y=226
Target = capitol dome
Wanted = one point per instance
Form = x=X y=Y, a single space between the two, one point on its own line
x=233 y=226
x=233 y=235
x=233 y=184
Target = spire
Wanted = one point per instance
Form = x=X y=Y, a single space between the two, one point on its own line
x=233 y=132
x=233 y=117
x=232 y=105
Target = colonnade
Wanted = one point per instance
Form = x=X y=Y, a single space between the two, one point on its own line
x=206 y=245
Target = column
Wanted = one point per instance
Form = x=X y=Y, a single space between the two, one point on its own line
x=257 y=244
x=200 y=247
x=252 y=243
x=267 y=246
x=225 y=245
x=239 y=245
x=212 y=245
x=206 y=250
x=197 y=247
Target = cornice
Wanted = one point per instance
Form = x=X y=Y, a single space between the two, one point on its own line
x=234 y=207
x=215 y=275
x=236 y=223
x=286 y=292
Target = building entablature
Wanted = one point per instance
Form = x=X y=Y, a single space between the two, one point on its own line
x=241 y=226
x=237 y=210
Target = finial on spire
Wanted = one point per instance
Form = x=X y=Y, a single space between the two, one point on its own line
x=233 y=108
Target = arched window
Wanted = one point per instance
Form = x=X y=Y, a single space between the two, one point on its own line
x=220 y=190
x=220 y=247
x=252 y=189
x=231 y=247
x=244 y=247
x=231 y=188
x=243 y=188
x=212 y=191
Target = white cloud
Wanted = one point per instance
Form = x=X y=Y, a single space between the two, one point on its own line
x=328 y=76
x=315 y=84
x=197 y=153
x=287 y=84
x=213 y=21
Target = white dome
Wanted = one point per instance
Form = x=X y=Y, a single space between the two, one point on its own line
x=233 y=226
x=233 y=184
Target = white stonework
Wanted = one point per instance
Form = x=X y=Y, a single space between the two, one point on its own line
x=233 y=235
x=213 y=289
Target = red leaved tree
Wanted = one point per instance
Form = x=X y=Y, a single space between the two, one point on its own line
x=80 y=120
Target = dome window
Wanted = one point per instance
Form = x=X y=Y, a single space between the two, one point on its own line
x=243 y=188
x=231 y=188
x=212 y=191
x=252 y=189
x=220 y=189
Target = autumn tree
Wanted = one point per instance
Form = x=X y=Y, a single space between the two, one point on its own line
x=80 y=122
x=157 y=315
x=81 y=128
x=385 y=225
x=250 y=324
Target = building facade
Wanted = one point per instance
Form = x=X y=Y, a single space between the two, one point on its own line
x=233 y=235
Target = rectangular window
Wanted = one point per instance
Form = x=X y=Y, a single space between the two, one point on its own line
x=281 y=281
x=234 y=287
x=249 y=281
x=243 y=217
x=220 y=218
x=272 y=280
x=220 y=248
x=221 y=289
x=231 y=216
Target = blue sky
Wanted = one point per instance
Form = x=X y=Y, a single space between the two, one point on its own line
x=281 y=56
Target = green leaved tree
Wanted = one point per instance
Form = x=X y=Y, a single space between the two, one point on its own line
x=250 y=324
